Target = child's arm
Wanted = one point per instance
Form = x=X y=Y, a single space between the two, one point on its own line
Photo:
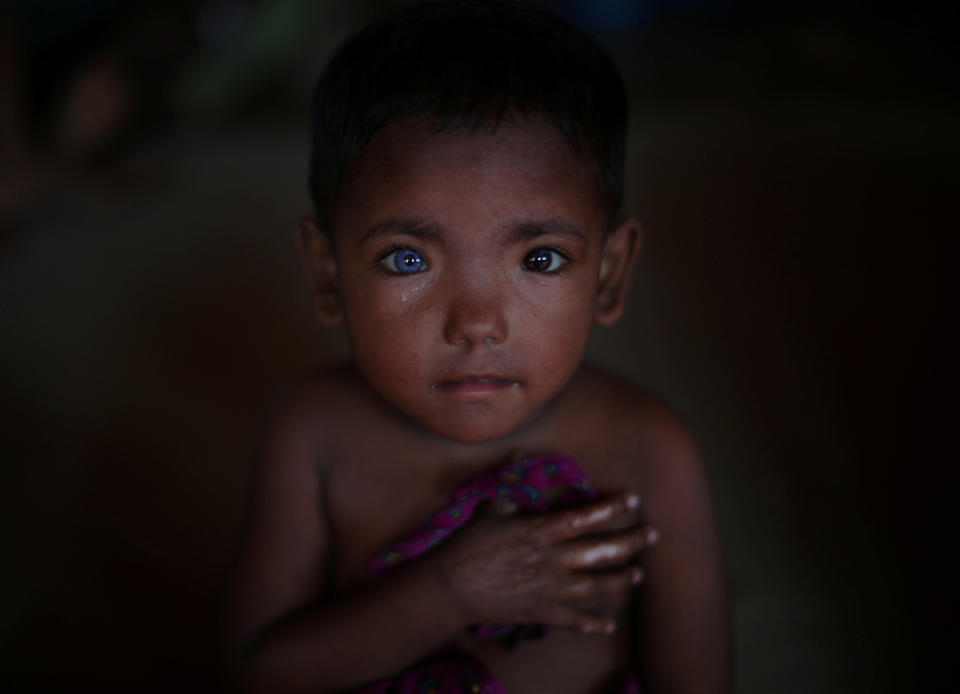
x=283 y=635
x=498 y=569
x=684 y=625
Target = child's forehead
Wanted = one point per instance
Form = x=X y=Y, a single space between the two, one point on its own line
x=522 y=163
x=529 y=135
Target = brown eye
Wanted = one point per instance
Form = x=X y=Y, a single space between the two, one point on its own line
x=544 y=260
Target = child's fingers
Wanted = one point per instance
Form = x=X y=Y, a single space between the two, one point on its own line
x=562 y=617
x=505 y=507
x=606 y=551
x=593 y=587
x=568 y=524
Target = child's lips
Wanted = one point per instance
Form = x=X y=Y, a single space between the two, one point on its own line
x=475 y=384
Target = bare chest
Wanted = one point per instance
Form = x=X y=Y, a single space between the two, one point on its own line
x=373 y=504
x=378 y=497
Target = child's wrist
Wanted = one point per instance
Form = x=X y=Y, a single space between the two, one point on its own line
x=444 y=595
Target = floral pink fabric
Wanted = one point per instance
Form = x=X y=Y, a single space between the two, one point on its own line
x=536 y=485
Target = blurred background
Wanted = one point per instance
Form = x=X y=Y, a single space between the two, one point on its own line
x=793 y=163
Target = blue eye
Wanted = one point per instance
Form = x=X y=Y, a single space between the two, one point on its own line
x=404 y=261
x=544 y=260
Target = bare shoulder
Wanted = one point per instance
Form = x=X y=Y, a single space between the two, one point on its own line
x=309 y=416
x=647 y=445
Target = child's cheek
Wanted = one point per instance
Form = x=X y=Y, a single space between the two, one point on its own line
x=409 y=292
x=382 y=295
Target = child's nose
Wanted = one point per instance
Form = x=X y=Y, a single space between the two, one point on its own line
x=476 y=316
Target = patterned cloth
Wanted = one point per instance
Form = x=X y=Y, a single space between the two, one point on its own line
x=451 y=670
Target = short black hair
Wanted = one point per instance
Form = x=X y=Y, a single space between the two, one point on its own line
x=466 y=64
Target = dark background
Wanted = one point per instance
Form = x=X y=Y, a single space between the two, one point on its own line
x=794 y=165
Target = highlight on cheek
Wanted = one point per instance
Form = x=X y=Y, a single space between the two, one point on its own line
x=410 y=293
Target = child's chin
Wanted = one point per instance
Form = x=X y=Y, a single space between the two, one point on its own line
x=472 y=431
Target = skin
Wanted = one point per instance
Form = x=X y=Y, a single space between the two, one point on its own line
x=471 y=361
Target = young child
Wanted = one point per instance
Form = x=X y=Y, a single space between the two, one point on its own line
x=459 y=508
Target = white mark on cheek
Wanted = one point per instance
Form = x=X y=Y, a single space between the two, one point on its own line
x=410 y=293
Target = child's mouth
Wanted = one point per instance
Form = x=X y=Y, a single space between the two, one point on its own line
x=475 y=385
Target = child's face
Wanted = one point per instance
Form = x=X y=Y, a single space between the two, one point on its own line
x=467 y=268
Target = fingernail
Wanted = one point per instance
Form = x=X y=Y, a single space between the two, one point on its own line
x=652 y=535
x=633 y=501
x=637 y=576
x=609 y=628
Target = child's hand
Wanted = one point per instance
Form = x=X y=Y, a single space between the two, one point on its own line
x=554 y=569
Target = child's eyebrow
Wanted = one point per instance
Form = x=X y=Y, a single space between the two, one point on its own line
x=418 y=228
x=519 y=231
x=529 y=230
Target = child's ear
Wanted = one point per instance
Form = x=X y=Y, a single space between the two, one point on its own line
x=619 y=255
x=320 y=263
